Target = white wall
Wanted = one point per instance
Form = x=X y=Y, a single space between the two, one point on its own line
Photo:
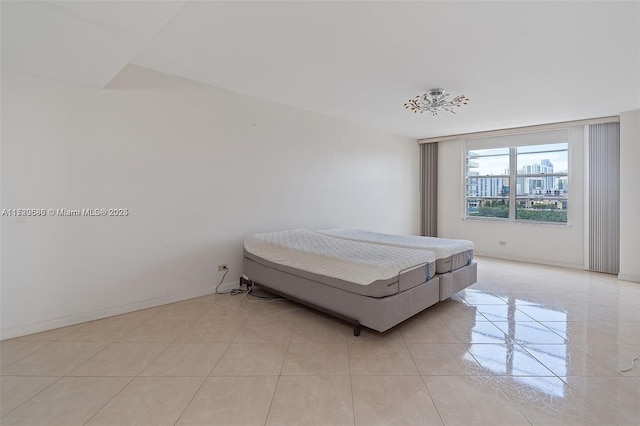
x=199 y=169
x=539 y=243
x=630 y=196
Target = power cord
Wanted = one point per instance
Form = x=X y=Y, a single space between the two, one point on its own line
x=226 y=271
x=232 y=292
x=266 y=299
x=249 y=291
x=633 y=362
x=245 y=293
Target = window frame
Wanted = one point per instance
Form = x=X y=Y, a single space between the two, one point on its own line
x=513 y=182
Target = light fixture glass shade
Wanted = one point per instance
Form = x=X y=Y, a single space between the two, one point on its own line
x=435 y=101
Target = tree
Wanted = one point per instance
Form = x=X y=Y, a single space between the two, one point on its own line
x=542 y=215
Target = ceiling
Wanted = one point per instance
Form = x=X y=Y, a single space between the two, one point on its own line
x=520 y=63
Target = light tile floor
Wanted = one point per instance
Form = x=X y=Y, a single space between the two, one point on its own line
x=527 y=344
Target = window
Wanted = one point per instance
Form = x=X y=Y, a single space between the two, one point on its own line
x=542 y=183
x=521 y=183
x=488 y=182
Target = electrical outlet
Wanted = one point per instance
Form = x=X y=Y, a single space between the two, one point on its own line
x=223 y=267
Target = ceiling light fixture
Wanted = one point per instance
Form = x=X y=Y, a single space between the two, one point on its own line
x=435 y=101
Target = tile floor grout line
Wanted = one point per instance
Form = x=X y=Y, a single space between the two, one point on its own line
x=25 y=355
x=273 y=396
x=244 y=321
x=509 y=399
x=432 y=401
x=132 y=378
x=353 y=400
x=88 y=359
x=218 y=361
x=266 y=419
x=33 y=396
x=422 y=378
x=155 y=358
x=186 y=407
x=170 y=343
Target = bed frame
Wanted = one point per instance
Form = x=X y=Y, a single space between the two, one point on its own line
x=377 y=313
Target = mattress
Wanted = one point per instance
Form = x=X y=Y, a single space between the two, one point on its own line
x=357 y=267
x=451 y=254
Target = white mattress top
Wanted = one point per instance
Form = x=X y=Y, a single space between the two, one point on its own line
x=442 y=247
x=353 y=261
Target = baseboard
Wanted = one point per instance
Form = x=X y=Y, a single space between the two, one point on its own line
x=632 y=278
x=531 y=260
x=38 y=327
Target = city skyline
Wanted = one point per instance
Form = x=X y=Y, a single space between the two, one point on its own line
x=498 y=187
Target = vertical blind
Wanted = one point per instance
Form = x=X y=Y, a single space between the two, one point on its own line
x=429 y=193
x=604 y=197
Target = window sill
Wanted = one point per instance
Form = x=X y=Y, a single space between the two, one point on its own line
x=516 y=222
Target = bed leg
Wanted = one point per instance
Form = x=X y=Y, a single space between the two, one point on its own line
x=356 y=330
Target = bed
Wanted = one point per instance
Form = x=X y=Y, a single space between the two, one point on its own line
x=353 y=275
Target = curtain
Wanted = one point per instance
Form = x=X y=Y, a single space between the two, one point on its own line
x=604 y=198
x=429 y=184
